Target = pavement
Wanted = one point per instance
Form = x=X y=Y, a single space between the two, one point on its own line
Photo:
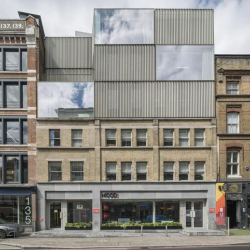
x=145 y=241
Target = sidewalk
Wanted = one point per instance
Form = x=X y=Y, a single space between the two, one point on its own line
x=143 y=241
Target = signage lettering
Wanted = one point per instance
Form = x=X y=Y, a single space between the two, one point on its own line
x=108 y=195
x=10 y=25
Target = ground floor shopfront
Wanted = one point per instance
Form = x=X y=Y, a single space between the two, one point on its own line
x=192 y=204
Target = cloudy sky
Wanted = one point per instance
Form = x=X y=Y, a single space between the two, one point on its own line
x=64 y=17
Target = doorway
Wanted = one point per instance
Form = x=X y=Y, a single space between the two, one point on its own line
x=231 y=213
x=194 y=214
x=55 y=215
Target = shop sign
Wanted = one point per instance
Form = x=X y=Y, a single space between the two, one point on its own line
x=79 y=206
x=234 y=197
x=12 y=25
x=27 y=211
x=211 y=210
x=110 y=195
x=234 y=188
x=96 y=210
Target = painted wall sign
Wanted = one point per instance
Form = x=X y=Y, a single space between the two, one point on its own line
x=12 y=25
x=96 y=210
x=211 y=210
x=110 y=195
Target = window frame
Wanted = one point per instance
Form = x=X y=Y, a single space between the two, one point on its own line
x=18 y=49
x=141 y=162
x=231 y=124
x=71 y=171
x=20 y=83
x=122 y=138
x=232 y=163
x=3 y=125
x=51 y=162
x=126 y=173
x=77 y=139
x=195 y=171
x=50 y=139
x=146 y=138
x=165 y=172
x=188 y=173
x=199 y=138
x=184 y=138
x=111 y=162
x=20 y=155
x=111 y=138
x=166 y=138
x=232 y=89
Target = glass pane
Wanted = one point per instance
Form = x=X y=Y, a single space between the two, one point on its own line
x=167 y=211
x=235 y=157
x=199 y=142
x=126 y=171
x=55 y=133
x=25 y=169
x=229 y=157
x=77 y=134
x=24 y=95
x=141 y=133
x=76 y=166
x=1 y=169
x=199 y=133
x=24 y=60
x=65 y=99
x=1 y=93
x=235 y=169
x=12 y=60
x=55 y=176
x=25 y=133
x=198 y=210
x=80 y=211
x=55 y=166
x=77 y=176
x=1 y=59
x=184 y=62
x=229 y=170
x=55 y=211
x=111 y=133
x=188 y=214
x=12 y=169
x=12 y=95
x=12 y=132
x=123 y=26
x=183 y=142
x=9 y=208
x=1 y=132
x=126 y=134
x=183 y=133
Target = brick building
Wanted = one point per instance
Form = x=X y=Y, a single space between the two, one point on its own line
x=232 y=111
x=21 y=60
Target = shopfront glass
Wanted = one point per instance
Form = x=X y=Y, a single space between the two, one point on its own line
x=125 y=211
x=167 y=211
x=16 y=209
x=79 y=211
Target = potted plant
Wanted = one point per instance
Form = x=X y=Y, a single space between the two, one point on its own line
x=79 y=226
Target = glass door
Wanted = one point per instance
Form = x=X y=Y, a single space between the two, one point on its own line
x=55 y=215
x=194 y=214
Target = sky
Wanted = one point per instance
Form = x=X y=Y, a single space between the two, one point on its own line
x=64 y=17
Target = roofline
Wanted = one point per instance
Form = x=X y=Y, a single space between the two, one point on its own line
x=150 y=9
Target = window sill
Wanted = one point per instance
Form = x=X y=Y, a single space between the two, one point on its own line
x=13 y=145
x=13 y=72
x=13 y=109
x=234 y=176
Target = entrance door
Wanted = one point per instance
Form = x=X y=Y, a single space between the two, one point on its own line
x=194 y=214
x=231 y=213
x=55 y=215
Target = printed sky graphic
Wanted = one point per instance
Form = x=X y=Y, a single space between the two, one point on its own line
x=64 y=17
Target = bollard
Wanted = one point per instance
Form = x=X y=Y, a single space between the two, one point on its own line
x=166 y=231
x=141 y=230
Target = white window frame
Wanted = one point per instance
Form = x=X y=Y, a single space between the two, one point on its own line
x=199 y=138
x=137 y=165
x=184 y=171
x=195 y=169
x=122 y=171
x=232 y=163
x=231 y=89
x=111 y=164
x=146 y=136
x=229 y=125
x=126 y=138
x=184 y=138
x=110 y=138
x=166 y=138
x=164 y=171
x=77 y=138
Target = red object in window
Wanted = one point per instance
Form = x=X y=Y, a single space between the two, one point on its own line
x=105 y=207
x=105 y=216
x=96 y=210
x=41 y=219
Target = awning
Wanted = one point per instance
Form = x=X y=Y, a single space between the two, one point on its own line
x=18 y=191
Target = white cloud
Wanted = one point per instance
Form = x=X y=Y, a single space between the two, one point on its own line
x=63 y=17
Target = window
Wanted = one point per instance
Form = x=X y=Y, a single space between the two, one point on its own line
x=141 y=137
x=13 y=130
x=54 y=135
x=1 y=169
x=199 y=137
x=199 y=171
x=13 y=59
x=76 y=138
x=55 y=171
x=77 y=171
x=124 y=26
x=233 y=163
x=168 y=171
x=126 y=171
x=111 y=171
x=126 y=137
x=110 y=137
x=184 y=171
x=184 y=62
x=12 y=169
x=168 y=137
x=24 y=167
x=76 y=215
x=232 y=88
x=13 y=94
x=141 y=171
x=65 y=99
x=232 y=123
x=184 y=137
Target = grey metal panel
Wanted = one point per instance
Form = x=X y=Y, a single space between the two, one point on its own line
x=124 y=62
x=184 y=26
x=155 y=99
x=68 y=52
x=68 y=75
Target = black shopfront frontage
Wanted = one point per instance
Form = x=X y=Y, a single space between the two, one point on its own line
x=16 y=205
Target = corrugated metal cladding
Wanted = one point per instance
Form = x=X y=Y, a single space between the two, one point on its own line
x=68 y=75
x=68 y=52
x=154 y=99
x=179 y=26
x=124 y=63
